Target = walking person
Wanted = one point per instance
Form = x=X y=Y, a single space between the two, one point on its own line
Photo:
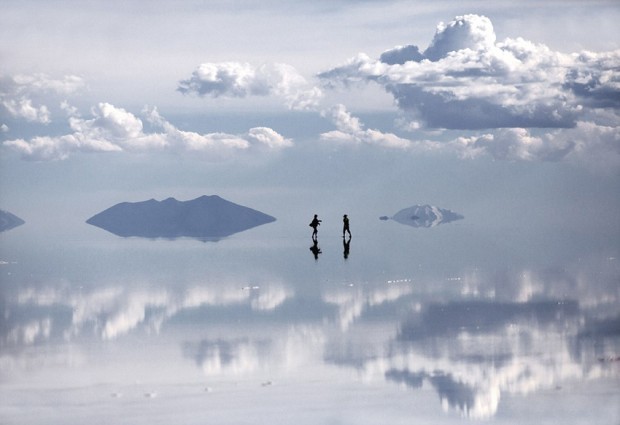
x=345 y=226
x=315 y=223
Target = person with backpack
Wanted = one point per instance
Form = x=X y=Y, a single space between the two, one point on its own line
x=315 y=223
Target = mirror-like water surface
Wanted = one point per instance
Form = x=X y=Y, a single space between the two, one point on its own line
x=439 y=325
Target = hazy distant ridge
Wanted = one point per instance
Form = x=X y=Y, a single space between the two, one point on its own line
x=9 y=221
x=203 y=217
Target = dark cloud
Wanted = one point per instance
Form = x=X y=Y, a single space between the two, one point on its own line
x=401 y=54
x=444 y=110
x=595 y=79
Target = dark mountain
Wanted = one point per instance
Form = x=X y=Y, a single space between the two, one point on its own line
x=424 y=216
x=205 y=217
x=9 y=221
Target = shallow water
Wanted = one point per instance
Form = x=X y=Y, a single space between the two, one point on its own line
x=451 y=324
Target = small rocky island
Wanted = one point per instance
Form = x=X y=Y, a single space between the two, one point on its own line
x=9 y=221
x=424 y=216
x=206 y=217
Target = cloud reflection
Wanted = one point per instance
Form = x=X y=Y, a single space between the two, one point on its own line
x=472 y=339
x=285 y=350
x=112 y=311
x=353 y=300
x=471 y=352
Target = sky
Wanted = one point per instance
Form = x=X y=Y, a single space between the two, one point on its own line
x=249 y=97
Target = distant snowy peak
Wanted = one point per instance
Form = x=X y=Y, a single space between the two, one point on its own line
x=425 y=216
x=9 y=221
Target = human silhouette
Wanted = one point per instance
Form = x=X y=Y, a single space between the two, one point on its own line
x=315 y=248
x=346 y=245
x=315 y=223
x=345 y=225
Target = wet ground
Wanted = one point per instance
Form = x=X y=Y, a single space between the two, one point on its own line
x=444 y=325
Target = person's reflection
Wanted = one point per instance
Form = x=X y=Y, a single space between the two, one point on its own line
x=346 y=246
x=315 y=248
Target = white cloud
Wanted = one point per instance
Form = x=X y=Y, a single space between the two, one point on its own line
x=23 y=108
x=191 y=141
x=588 y=143
x=42 y=82
x=235 y=79
x=595 y=146
x=113 y=129
x=598 y=146
x=513 y=144
x=268 y=137
x=466 y=80
x=351 y=131
x=21 y=96
x=466 y=32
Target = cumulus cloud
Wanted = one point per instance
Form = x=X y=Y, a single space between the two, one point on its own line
x=350 y=131
x=467 y=80
x=23 y=108
x=22 y=96
x=234 y=79
x=595 y=79
x=113 y=129
x=587 y=143
x=466 y=32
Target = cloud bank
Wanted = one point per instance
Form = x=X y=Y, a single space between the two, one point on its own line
x=511 y=99
x=589 y=142
x=113 y=129
x=467 y=80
